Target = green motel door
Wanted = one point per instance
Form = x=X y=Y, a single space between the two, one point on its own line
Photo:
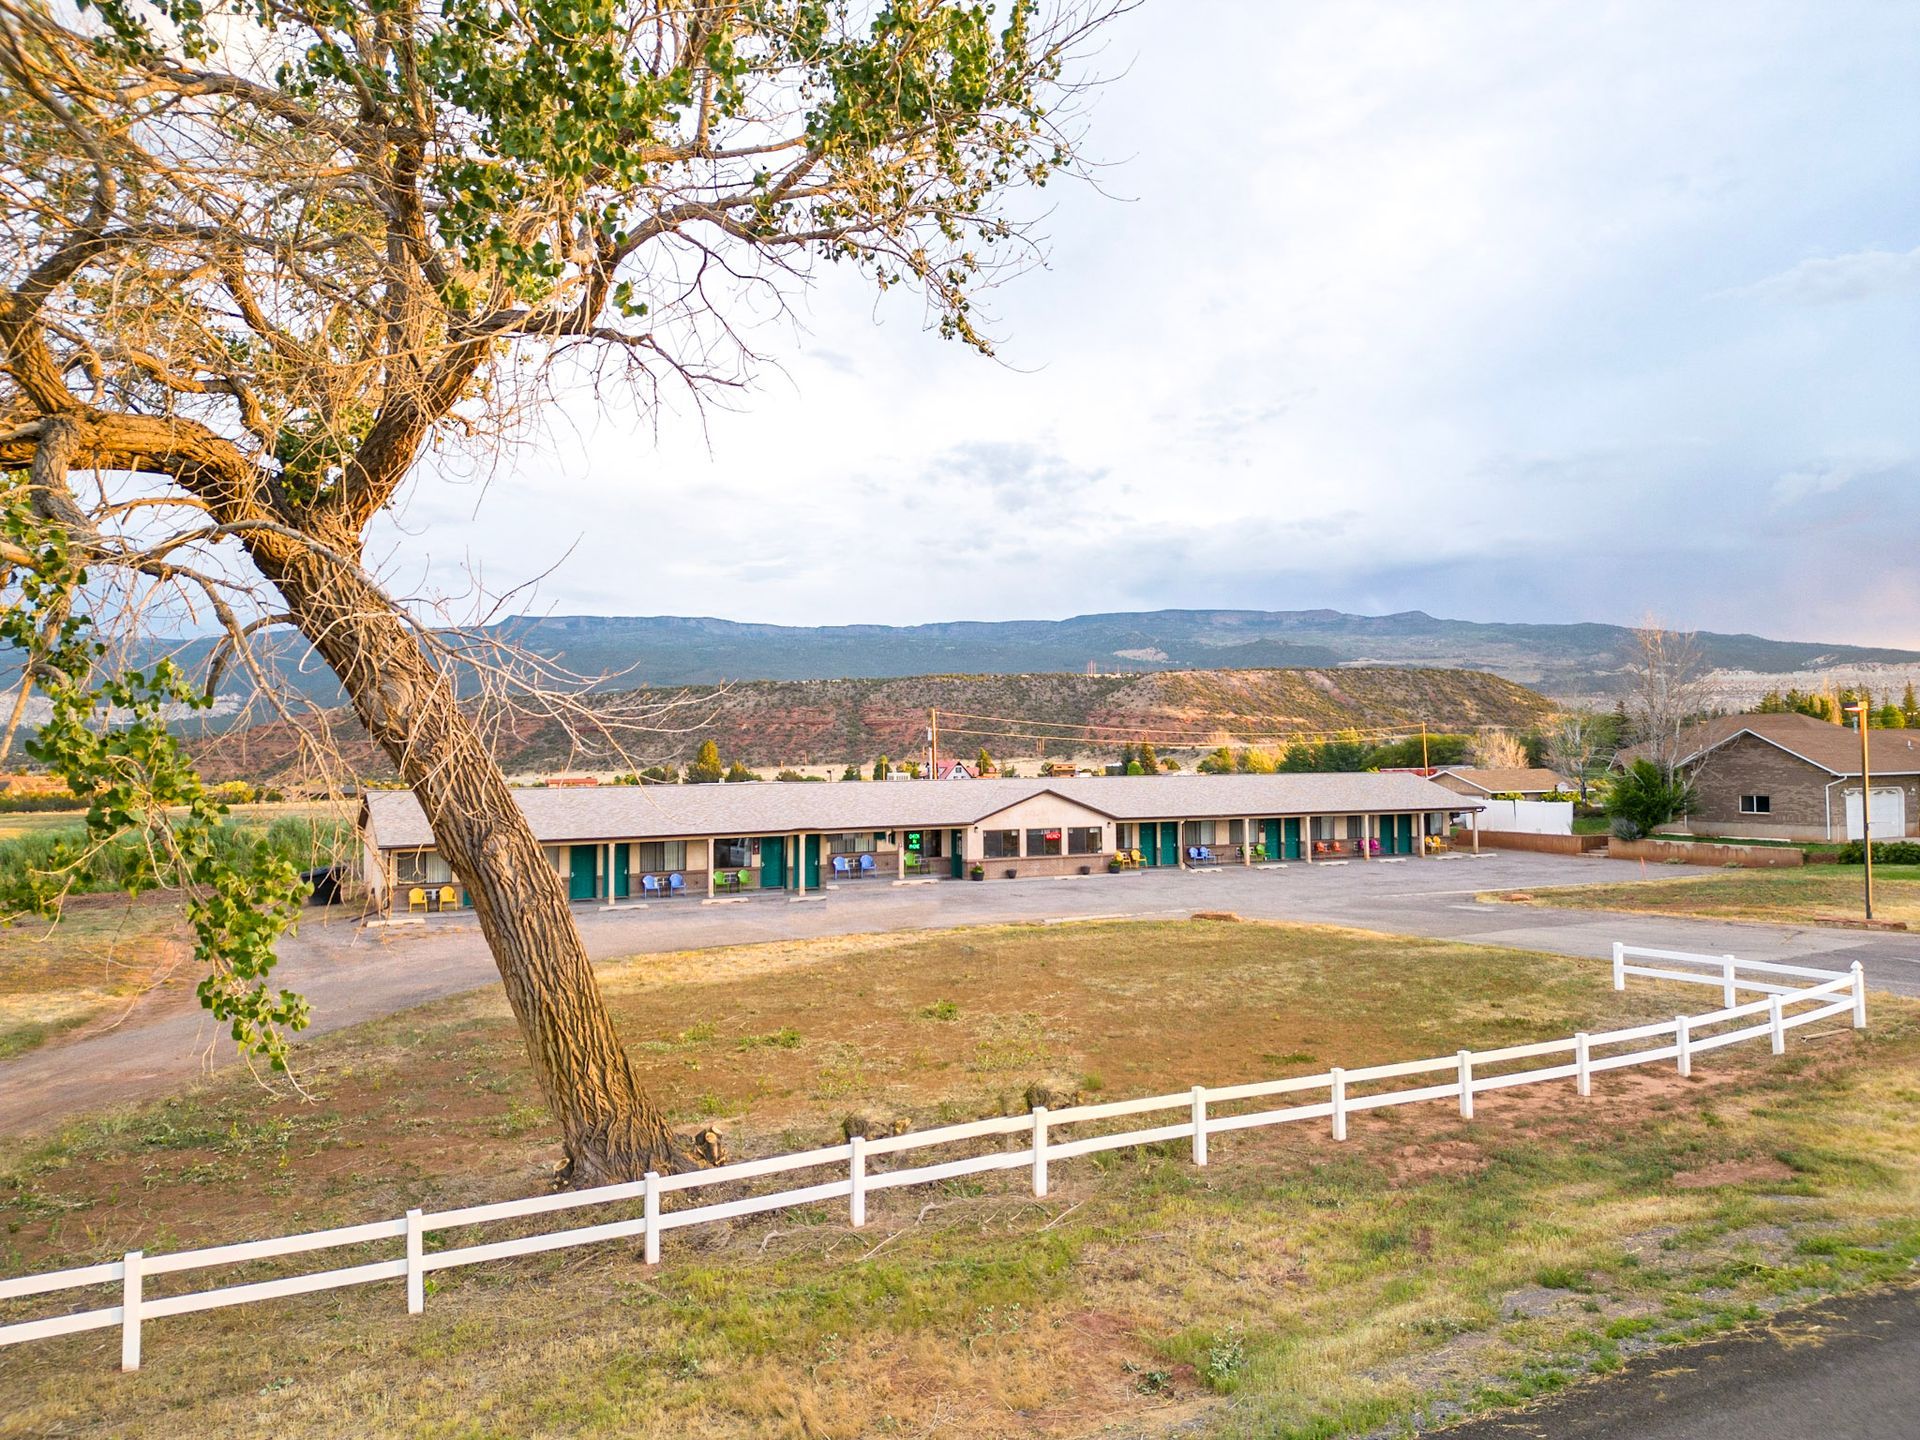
x=1149 y=844
x=957 y=863
x=813 y=862
x=1270 y=838
x=1403 y=835
x=1292 y=851
x=581 y=871
x=622 y=880
x=1169 y=842
x=773 y=861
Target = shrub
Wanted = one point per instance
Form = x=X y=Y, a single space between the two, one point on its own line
x=1645 y=799
x=1885 y=852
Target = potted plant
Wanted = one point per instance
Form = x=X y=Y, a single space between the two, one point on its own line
x=1113 y=865
x=979 y=872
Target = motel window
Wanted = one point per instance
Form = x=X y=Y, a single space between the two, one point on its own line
x=1322 y=827
x=1356 y=827
x=1000 y=844
x=1756 y=804
x=1044 y=842
x=1083 y=840
x=1236 y=832
x=661 y=855
x=859 y=844
x=734 y=854
x=421 y=867
x=1200 y=832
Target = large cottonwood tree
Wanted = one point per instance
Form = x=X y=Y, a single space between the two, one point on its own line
x=261 y=256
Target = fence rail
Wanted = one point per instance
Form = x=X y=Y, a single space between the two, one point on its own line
x=1784 y=1006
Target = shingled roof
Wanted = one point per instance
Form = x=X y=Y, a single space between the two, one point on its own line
x=394 y=821
x=1825 y=746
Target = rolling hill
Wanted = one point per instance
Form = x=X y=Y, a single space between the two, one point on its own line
x=832 y=722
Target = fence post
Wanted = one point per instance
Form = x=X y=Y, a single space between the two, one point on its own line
x=1776 y=1017
x=857 y=1197
x=1199 y=1124
x=1039 y=1152
x=416 y=1275
x=1683 y=1042
x=1339 y=1103
x=1619 y=965
x=1582 y=1065
x=1466 y=1084
x=1859 y=997
x=130 y=1313
x=1727 y=969
x=652 y=1213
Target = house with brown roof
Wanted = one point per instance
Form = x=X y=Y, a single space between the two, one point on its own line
x=1527 y=782
x=1792 y=777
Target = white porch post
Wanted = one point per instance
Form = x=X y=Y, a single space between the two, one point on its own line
x=1306 y=838
x=1476 y=831
x=1366 y=837
x=711 y=852
x=900 y=852
x=800 y=863
x=1246 y=840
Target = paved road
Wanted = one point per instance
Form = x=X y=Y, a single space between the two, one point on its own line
x=1841 y=1370
x=353 y=973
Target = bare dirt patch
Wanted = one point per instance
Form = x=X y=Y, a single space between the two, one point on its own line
x=1732 y=1172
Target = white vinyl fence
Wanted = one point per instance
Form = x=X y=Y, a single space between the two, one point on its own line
x=1527 y=817
x=1790 y=996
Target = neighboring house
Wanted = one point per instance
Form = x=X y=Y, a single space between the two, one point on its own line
x=1530 y=783
x=957 y=770
x=610 y=841
x=1792 y=777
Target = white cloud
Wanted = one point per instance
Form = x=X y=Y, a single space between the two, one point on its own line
x=1831 y=279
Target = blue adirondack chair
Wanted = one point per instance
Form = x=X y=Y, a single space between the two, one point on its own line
x=840 y=865
x=866 y=864
x=650 y=884
x=676 y=883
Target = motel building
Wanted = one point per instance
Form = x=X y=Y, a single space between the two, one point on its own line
x=638 y=844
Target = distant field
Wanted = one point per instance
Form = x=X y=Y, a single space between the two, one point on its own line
x=37 y=822
x=105 y=955
x=1786 y=897
x=1295 y=1288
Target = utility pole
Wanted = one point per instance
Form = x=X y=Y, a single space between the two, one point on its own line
x=1423 y=745
x=933 y=744
x=1859 y=712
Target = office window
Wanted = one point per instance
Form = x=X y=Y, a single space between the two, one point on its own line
x=1083 y=840
x=1000 y=844
x=1756 y=804
x=1043 y=842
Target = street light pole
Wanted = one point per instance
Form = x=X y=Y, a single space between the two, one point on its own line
x=1859 y=712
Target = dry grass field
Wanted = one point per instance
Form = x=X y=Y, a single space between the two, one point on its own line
x=1805 y=896
x=1296 y=1287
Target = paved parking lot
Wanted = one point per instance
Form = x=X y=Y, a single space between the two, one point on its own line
x=353 y=972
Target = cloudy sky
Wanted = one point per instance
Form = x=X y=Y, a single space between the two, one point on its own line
x=1500 y=311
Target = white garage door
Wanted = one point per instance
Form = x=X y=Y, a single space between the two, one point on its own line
x=1889 y=813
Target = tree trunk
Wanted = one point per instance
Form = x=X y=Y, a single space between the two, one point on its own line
x=611 y=1130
